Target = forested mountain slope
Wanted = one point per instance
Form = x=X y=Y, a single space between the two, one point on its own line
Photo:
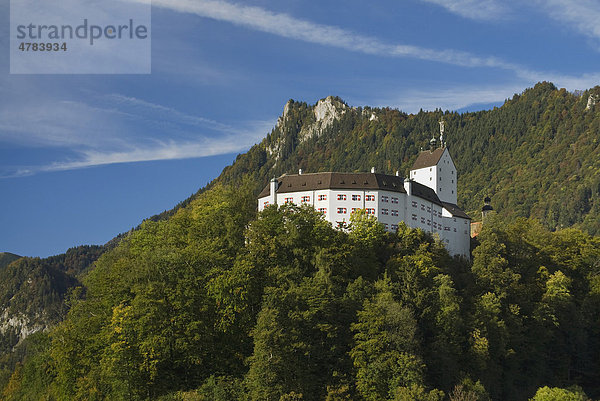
x=7 y=258
x=33 y=290
x=211 y=302
x=536 y=156
x=218 y=303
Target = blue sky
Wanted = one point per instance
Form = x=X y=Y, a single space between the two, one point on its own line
x=85 y=157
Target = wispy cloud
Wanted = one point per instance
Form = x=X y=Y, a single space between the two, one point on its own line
x=284 y=25
x=157 y=112
x=171 y=150
x=132 y=130
x=583 y=15
x=474 y=9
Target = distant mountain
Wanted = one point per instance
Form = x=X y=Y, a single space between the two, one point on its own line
x=7 y=258
x=33 y=290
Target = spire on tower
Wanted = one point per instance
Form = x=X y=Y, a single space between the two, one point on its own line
x=442 y=126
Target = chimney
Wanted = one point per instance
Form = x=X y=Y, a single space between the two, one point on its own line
x=272 y=192
x=299 y=171
x=407 y=187
x=397 y=173
x=372 y=169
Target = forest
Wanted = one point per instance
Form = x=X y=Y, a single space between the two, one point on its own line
x=219 y=303
x=214 y=301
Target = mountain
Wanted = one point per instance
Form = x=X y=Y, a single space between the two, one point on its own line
x=7 y=258
x=206 y=301
x=33 y=291
x=536 y=156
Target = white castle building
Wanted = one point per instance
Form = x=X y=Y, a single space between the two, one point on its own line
x=427 y=200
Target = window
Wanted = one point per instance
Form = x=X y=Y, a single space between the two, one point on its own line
x=394 y=200
x=428 y=222
x=466 y=232
x=341 y=210
x=430 y=178
x=322 y=197
x=370 y=198
x=465 y=222
x=384 y=212
x=414 y=204
x=340 y=224
x=422 y=206
x=428 y=209
x=289 y=200
x=385 y=226
x=265 y=203
x=446 y=228
x=423 y=220
x=341 y=197
x=305 y=199
x=323 y=210
x=394 y=227
x=354 y=209
x=370 y=211
x=454 y=219
x=385 y=198
x=414 y=217
x=440 y=178
x=394 y=213
x=454 y=229
x=355 y=197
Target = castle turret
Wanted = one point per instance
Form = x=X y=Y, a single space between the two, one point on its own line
x=487 y=208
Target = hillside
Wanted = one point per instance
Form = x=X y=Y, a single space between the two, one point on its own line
x=33 y=291
x=536 y=156
x=7 y=258
x=217 y=303
x=209 y=301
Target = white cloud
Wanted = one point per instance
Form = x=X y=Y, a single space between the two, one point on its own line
x=583 y=15
x=474 y=9
x=171 y=150
x=294 y=28
x=48 y=122
x=130 y=130
x=159 y=113
x=288 y=26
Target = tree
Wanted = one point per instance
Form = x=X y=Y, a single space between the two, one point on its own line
x=386 y=354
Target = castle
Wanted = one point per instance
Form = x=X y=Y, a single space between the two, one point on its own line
x=426 y=200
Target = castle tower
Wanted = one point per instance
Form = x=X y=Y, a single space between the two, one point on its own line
x=435 y=169
x=487 y=208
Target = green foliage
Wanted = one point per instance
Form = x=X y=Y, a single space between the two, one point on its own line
x=217 y=303
x=33 y=293
x=537 y=156
x=415 y=392
x=6 y=258
x=559 y=394
x=386 y=354
x=211 y=302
